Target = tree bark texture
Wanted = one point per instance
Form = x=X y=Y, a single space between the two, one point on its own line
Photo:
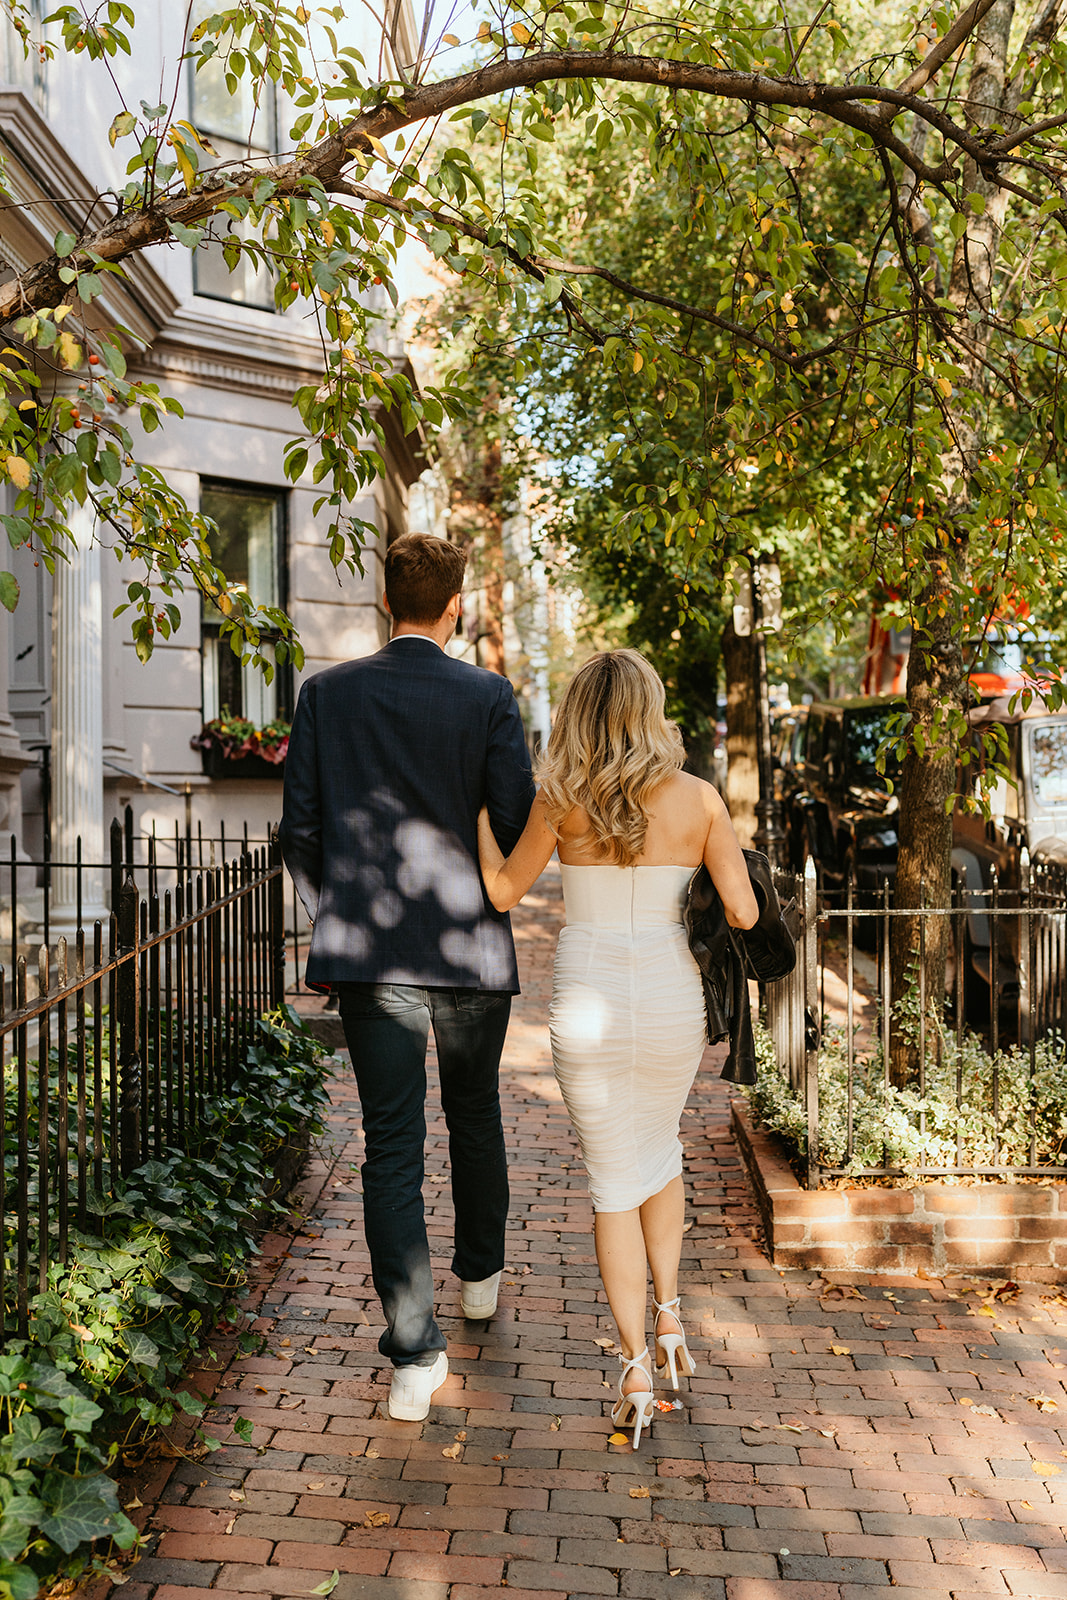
x=742 y=772
x=476 y=521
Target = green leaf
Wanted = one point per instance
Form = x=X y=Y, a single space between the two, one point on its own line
x=19 y=1580
x=976 y=203
x=64 y=243
x=82 y=1508
x=189 y=237
x=140 y=1346
x=123 y=124
x=9 y=591
x=242 y=1427
x=328 y=1585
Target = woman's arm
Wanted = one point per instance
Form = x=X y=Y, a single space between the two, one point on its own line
x=507 y=881
x=729 y=872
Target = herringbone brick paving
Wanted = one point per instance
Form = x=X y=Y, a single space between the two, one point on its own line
x=838 y=1441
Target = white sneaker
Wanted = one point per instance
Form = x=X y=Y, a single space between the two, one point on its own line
x=412 y=1390
x=478 y=1300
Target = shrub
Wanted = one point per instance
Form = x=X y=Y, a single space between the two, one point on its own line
x=118 y=1322
x=1000 y=1105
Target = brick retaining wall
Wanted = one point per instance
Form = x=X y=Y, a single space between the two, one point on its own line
x=938 y=1229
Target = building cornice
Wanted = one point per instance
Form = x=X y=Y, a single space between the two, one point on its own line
x=53 y=194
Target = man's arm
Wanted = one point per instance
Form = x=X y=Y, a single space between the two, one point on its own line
x=301 y=827
x=509 y=789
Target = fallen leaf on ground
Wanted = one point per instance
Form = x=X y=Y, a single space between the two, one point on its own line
x=238 y=1494
x=1043 y=1402
x=452 y=1451
x=328 y=1585
x=319 y=1484
x=792 y=1427
x=1044 y=1469
x=132 y=1505
x=984 y=1411
x=965 y=1400
x=841 y=1349
x=617 y=1438
x=639 y=1492
x=605 y=1344
x=377 y=1519
x=555 y=1425
x=372 y=1453
x=461 y=1436
x=284 y=1343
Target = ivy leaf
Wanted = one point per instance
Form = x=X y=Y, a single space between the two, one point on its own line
x=18 y=1580
x=82 y=1508
x=64 y=243
x=142 y=1351
x=242 y=1427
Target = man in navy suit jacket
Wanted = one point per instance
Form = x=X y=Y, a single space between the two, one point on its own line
x=390 y=759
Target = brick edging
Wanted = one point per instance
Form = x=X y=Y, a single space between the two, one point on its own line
x=1000 y=1229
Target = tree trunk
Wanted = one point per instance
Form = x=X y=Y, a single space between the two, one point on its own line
x=937 y=671
x=476 y=520
x=742 y=773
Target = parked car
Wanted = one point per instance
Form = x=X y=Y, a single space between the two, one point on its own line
x=842 y=811
x=1028 y=811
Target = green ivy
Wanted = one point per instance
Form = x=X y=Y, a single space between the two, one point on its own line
x=113 y=1332
x=999 y=1105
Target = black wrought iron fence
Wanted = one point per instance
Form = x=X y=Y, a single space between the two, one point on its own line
x=986 y=1088
x=110 y=1049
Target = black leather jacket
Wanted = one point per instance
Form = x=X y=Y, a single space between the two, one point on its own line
x=728 y=957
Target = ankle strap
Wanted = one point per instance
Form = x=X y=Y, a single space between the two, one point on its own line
x=668 y=1305
x=635 y=1361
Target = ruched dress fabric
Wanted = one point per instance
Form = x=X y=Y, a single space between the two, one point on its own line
x=627 y=1025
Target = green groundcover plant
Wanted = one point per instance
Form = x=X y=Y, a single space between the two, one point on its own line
x=115 y=1328
x=977 y=1110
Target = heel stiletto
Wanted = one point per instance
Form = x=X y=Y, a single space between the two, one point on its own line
x=636 y=1406
x=675 y=1350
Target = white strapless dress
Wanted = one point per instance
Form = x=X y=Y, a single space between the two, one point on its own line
x=627 y=1025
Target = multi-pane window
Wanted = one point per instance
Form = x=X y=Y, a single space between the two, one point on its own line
x=239 y=130
x=249 y=547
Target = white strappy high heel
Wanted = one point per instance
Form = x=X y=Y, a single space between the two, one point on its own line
x=675 y=1350
x=637 y=1405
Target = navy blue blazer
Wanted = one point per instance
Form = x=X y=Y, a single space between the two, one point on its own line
x=390 y=759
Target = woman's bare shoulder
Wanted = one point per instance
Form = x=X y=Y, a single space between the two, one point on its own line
x=686 y=789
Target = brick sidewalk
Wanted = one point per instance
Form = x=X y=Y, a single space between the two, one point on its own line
x=796 y=1471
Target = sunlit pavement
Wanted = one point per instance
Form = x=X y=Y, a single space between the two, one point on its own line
x=838 y=1438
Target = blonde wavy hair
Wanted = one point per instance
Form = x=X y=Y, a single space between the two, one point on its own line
x=611 y=747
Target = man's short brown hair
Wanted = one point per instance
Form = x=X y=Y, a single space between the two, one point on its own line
x=421 y=576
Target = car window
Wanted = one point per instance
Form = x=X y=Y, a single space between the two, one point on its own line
x=865 y=732
x=1047 y=763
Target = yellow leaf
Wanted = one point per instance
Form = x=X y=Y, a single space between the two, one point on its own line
x=639 y=1492
x=841 y=1349
x=329 y=232
x=18 y=470
x=484 y=31
x=377 y=1519
x=70 y=352
x=449 y=38
x=639 y=361
x=618 y=1438
x=452 y=1451
x=521 y=33
x=946 y=389
x=965 y=1400
x=1044 y=1469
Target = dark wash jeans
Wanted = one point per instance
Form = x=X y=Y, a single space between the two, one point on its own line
x=387 y=1026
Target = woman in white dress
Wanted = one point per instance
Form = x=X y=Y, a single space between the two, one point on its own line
x=627 y=1016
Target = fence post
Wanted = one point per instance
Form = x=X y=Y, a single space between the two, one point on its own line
x=276 y=921
x=812 y=1022
x=126 y=997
